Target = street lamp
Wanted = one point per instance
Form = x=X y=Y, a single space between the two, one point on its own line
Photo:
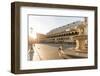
x=33 y=33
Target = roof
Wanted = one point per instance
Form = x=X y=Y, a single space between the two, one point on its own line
x=65 y=27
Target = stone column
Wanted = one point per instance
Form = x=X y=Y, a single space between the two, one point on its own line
x=80 y=44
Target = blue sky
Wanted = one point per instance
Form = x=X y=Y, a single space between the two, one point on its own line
x=43 y=24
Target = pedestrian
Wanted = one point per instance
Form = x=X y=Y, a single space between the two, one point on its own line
x=31 y=52
x=60 y=51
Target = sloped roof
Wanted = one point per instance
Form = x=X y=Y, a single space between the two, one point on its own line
x=63 y=28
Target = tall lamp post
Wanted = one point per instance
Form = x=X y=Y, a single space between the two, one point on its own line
x=31 y=49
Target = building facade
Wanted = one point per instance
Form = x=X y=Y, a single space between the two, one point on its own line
x=67 y=33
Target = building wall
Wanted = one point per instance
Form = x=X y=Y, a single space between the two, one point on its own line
x=67 y=34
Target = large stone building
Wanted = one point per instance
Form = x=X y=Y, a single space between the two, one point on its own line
x=67 y=33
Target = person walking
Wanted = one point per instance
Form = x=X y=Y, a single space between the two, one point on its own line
x=61 y=52
x=31 y=52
